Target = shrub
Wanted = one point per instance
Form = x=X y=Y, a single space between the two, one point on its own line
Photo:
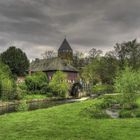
x=137 y=113
x=96 y=112
x=102 y=89
x=7 y=83
x=8 y=90
x=22 y=86
x=129 y=106
x=99 y=114
x=112 y=99
x=128 y=84
x=126 y=114
x=49 y=94
x=20 y=94
x=59 y=84
x=105 y=104
x=36 y=81
x=22 y=106
x=45 y=88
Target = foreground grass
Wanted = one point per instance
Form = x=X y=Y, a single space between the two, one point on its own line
x=65 y=122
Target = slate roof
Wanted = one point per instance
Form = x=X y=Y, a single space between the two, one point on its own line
x=65 y=46
x=54 y=64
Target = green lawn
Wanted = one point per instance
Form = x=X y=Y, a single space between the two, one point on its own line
x=65 y=122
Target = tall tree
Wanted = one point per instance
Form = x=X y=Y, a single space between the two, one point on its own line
x=89 y=72
x=133 y=53
x=128 y=52
x=101 y=70
x=48 y=54
x=121 y=53
x=16 y=59
x=94 y=53
x=78 y=60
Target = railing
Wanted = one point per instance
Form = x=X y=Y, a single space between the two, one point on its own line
x=87 y=87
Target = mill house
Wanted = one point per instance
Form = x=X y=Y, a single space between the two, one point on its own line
x=59 y=63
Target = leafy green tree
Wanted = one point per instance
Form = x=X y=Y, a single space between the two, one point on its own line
x=133 y=53
x=128 y=53
x=59 y=84
x=36 y=81
x=107 y=69
x=79 y=60
x=94 y=53
x=121 y=54
x=16 y=59
x=128 y=84
x=101 y=70
x=7 y=83
x=90 y=72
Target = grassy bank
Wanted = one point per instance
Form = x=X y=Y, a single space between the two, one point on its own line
x=65 y=122
x=34 y=96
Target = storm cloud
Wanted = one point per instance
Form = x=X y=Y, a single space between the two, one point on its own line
x=38 y=25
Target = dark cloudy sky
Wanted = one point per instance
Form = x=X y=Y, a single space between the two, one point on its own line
x=37 y=25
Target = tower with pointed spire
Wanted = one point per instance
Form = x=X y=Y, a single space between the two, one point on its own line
x=65 y=51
